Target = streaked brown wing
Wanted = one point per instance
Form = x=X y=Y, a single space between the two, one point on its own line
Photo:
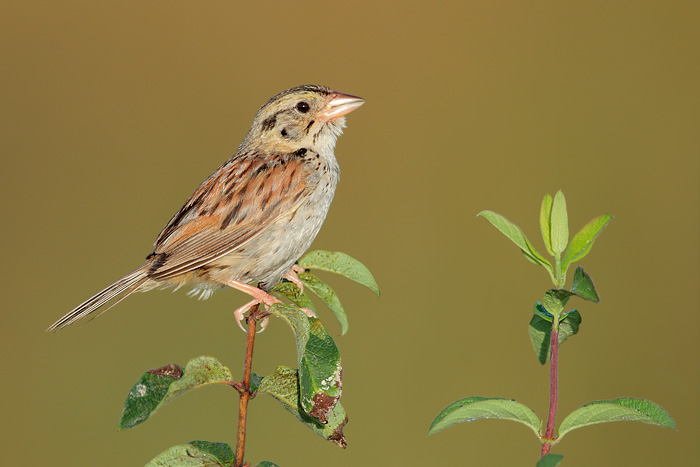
x=230 y=208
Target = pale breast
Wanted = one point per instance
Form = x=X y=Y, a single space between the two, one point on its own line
x=268 y=256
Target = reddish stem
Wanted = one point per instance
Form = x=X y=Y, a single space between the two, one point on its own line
x=553 y=387
x=245 y=389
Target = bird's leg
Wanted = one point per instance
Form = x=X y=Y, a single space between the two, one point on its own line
x=292 y=276
x=259 y=297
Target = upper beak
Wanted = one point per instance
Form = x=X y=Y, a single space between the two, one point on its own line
x=341 y=104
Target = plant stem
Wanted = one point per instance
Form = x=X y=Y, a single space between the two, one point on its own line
x=245 y=392
x=553 y=386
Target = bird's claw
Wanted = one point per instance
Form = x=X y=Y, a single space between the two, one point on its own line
x=293 y=276
x=241 y=311
x=264 y=299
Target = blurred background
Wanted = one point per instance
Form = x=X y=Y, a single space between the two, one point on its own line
x=112 y=113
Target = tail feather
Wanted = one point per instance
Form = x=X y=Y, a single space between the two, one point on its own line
x=124 y=287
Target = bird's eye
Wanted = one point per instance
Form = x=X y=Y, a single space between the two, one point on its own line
x=303 y=107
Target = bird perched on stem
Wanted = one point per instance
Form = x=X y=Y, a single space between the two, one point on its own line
x=251 y=220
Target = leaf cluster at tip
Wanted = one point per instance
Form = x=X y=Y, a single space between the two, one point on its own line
x=554 y=227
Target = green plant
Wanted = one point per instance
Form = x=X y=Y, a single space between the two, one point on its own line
x=311 y=392
x=549 y=327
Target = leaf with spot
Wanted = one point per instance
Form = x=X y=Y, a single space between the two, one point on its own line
x=195 y=454
x=340 y=263
x=160 y=386
x=478 y=408
x=617 y=410
x=283 y=385
x=320 y=368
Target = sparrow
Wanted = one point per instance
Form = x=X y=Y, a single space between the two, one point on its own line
x=249 y=222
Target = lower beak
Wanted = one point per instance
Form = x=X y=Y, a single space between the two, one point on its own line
x=340 y=104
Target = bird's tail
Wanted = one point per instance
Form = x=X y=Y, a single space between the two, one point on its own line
x=121 y=288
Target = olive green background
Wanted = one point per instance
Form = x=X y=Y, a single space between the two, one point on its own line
x=113 y=112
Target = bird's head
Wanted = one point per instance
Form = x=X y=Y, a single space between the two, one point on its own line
x=303 y=117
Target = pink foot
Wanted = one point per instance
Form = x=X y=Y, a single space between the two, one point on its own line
x=308 y=312
x=292 y=276
x=260 y=297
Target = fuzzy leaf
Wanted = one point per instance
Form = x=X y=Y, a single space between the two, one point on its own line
x=582 y=242
x=622 y=409
x=340 y=263
x=476 y=408
x=517 y=236
x=195 y=454
x=327 y=296
x=583 y=286
x=283 y=385
x=546 y=222
x=266 y=464
x=160 y=386
x=560 y=223
x=550 y=460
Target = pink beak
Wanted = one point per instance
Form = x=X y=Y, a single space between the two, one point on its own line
x=340 y=104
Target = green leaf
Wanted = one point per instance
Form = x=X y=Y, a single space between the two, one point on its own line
x=517 y=236
x=550 y=460
x=283 y=385
x=616 y=410
x=546 y=222
x=255 y=380
x=583 y=286
x=327 y=296
x=540 y=330
x=340 y=263
x=582 y=242
x=569 y=324
x=266 y=464
x=195 y=454
x=320 y=373
x=292 y=292
x=555 y=300
x=320 y=369
x=475 y=408
x=297 y=320
x=221 y=451
x=559 y=223
x=160 y=386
